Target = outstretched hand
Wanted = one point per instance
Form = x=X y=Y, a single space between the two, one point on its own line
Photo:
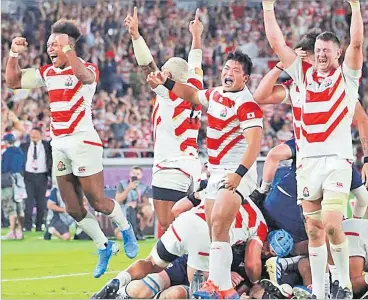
x=155 y=79
x=196 y=26
x=131 y=22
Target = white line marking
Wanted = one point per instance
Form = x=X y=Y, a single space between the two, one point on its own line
x=52 y=277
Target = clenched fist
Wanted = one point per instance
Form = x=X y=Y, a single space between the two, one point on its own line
x=19 y=45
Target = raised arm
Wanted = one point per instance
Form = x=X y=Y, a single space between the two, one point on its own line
x=196 y=29
x=354 y=53
x=141 y=51
x=275 y=36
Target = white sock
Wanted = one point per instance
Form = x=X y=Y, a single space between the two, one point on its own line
x=226 y=261
x=124 y=278
x=360 y=207
x=340 y=255
x=91 y=227
x=265 y=187
x=327 y=285
x=318 y=262
x=334 y=273
x=218 y=263
x=117 y=216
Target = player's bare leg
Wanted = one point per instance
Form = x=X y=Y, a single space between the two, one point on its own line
x=163 y=212
x=223 y=214
x=71 y=192
x=93 y=188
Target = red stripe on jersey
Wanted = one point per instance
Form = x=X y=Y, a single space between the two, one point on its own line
x=72 y=126
x=175 y=233
x=322 y=136
x=65 y=116
x=324 y=96
x=351 y=233
x=288 y=83
x=322 y=117
x=203 y=254
x=208 y=93
x=216 y=160
x=42 y=69
x=252 y=215
x=158 y=120
x=189 y=142
x=196 y=83
x=297 y=112
x=181 y=107
x=262 y=231
x=64 y=95
x=217 y=97
x=52 y=72
x=238 y=220
x=172 y=96
x=305 y=66
x=219 y=124
x=187 y=125
x=155 y=110
x=202 y=216
x=214 y=144
x=92 y=143
x=249 y=111
x=297 y=132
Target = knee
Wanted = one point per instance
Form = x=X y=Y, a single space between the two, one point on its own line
x=315 y=230
x=332 y=228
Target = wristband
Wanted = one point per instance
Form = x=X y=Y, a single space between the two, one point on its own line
x=366 y=278
x=254 y=282
x=13 y=54
x=279 y=68
x=193 y=199
x=241 y=170
x=169 y=84
x=365 y=160
x=66 y=48
x=355 y=5
x=269 y=5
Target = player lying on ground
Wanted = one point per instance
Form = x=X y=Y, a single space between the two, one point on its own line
x=177 y=168
x=329 y=93
x=234 y=124
x=76 y=146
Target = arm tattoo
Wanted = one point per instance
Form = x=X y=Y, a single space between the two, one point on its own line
x=151 y=67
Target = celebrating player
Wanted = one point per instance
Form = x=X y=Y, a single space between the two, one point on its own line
x=177 y=168
x=234 y=136
x=76 y=146
x=328 y=98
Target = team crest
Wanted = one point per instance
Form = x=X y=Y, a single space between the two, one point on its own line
x=223 y=113
x=306 y=192
x=69 y=81
x=81 y=169
x=61 y=166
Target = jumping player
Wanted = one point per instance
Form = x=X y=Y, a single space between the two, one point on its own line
x=328 y=98
x=177 y=168
x=234 y=136
x=76 y=146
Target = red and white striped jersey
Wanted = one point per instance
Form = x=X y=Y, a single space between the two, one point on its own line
x=249 y=223
x=70 y=99
x=229 y=114
x=327 y=109
x=293 y=98
x=176 y=122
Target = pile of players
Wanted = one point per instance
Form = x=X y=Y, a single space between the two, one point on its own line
x=218 y=240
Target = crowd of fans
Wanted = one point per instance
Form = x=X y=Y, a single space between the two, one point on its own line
x=123 y=103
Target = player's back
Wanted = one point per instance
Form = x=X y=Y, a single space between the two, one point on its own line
x=70 y=99
x=229 y=114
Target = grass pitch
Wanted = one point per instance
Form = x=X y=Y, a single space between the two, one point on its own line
x=37 y=269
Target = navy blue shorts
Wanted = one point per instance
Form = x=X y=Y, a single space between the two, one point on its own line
x=177 y=271
x=356 y=179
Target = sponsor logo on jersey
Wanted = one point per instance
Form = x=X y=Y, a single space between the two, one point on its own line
x=223 y=112
x=81 y=169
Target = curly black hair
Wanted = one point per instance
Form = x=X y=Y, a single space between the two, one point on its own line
x=65 y=26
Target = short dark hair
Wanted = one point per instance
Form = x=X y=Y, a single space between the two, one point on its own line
x=65 y=26
x=243 y=59
x=329 y=36
x=37 y=129
x=137 y=168
x=308 y=40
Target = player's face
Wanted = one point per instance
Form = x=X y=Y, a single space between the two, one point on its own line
x=57 y=56
x=327 y=55
x=233 y=77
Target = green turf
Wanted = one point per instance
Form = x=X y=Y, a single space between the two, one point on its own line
x=34 y=257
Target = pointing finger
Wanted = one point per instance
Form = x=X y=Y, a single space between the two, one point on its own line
x=197 y=15
x=135 y=13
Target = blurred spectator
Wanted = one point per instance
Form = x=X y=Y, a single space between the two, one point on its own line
x=133 y=194
x=12 y=187
x=58 y=221
x=38 y=169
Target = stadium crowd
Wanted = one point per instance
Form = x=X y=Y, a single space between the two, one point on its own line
x=123 y=104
